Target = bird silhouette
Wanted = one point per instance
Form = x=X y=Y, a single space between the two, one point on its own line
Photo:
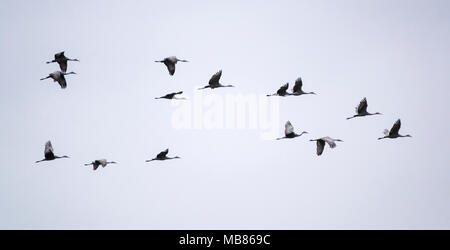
x=361 y=110
x=297 y=90
x=321 y=143
x=289 y=132
x=393 y=133
x=282 y=91
x=163 y=156
x=49 y=155
x=214 y=82
x=170 y=63
x=101 y=162
x=172 y=96
x=62 y=60
x=59 y=77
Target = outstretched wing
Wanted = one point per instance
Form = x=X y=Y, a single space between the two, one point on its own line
x=283 y=89
x=395 y=128
x=170 y=67
x=163 y=154
x=320 y=147
x=298 y=85
x=215 y=78
x=102 y=162
x=288 y=128
x=170 y=96
x=48 y=152
x=362 y=107
x=330 y=142
x=59 y=55
x=63 y=65
x=62 y=81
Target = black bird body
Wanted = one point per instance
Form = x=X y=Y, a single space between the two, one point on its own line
x=59 y=76
x=62 y=60
x=361 y=110
x=214 y=82
x=289 y=132
x=98 y=163
x=49 y=155
x=171 y=96
x=170 y=63
x=320 y=143
x=297 y=90
x=282 y=91
x=393 y=133
x=162 y=156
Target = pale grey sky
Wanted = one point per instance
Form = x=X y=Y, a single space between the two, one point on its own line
x=395 y=53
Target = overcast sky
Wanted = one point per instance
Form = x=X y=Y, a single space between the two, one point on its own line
x=395 y=53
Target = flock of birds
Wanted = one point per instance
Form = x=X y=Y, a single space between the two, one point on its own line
x=214 y=82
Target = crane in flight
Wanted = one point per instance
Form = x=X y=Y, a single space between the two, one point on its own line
x=49 y=155
x=297 y=90
x=361 y=110
x=393 y=133
x=172 y=96
x=289 y=132
x=282 y=91
x=170 y=63
x=59 y=76
x=62 y=60
x=163 y=156
x=321 y=143
x=101 y=162
x=214 y=82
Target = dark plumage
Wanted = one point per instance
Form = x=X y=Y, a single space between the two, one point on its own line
x=171 y=96
x=49 y=155
x=393 y=133
x=163 y=156
x=59 y=77
x=361 y=110
x=170 y=63
x=62 y=60
x=214 y=82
